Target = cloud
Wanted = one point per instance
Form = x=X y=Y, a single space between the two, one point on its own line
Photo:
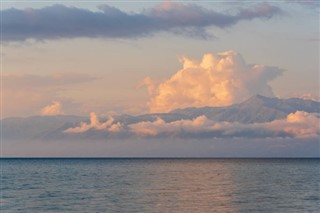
x=298 y=124
x=59 y=21
x=159 y=126
x=217 y=80
x=26 y=94
x=308 y=96
x=149 y=83
x=108 y=126
x=55 y=108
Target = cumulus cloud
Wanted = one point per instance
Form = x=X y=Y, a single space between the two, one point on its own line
x=159 y=126
x=298 y=124
x=55 y=108
x=59 y=21
x=108 y=126
x=149 y=83
x=216 y=80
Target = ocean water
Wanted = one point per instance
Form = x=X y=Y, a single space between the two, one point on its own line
x=160 y=185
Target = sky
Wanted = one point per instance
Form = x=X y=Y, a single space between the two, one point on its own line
x=57 y=52
x=106 y=58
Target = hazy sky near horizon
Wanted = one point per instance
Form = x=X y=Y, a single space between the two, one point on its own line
x=77 y=57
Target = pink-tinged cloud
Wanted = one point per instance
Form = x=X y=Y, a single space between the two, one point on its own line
x=55 y=108
x=197 y=125
x=108 y=126
x=298 y=124
x=217 y=80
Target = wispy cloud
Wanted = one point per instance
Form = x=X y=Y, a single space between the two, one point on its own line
x=217 y=80
x=59 y=21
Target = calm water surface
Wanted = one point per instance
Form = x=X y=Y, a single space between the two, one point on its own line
x=160 y=185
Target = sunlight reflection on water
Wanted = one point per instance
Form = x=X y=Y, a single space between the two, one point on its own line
x=167 y=185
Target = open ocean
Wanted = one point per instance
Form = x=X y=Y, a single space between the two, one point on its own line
x=160 y=185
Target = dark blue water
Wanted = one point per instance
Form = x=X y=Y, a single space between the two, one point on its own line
x=160 y=185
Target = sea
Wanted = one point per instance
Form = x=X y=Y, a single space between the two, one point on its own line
x=159 y=185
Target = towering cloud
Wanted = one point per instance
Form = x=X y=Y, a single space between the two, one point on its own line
x=59 y=21
x=53 y=109
x=217 y=80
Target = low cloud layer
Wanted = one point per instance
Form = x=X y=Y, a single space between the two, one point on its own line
x=217 y=80
x=55 y=108
x=59 y=21
x=160 y=135
x=95 y=124
x=298 y=124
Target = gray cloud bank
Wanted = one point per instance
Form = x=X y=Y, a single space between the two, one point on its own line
x=59 y=21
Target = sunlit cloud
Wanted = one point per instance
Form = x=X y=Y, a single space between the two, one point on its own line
x=298 y=124
x=108 y=126
x=55 y=108
x=197 y=125
x=309 y=96
x=59 y=21
x=216 y=80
